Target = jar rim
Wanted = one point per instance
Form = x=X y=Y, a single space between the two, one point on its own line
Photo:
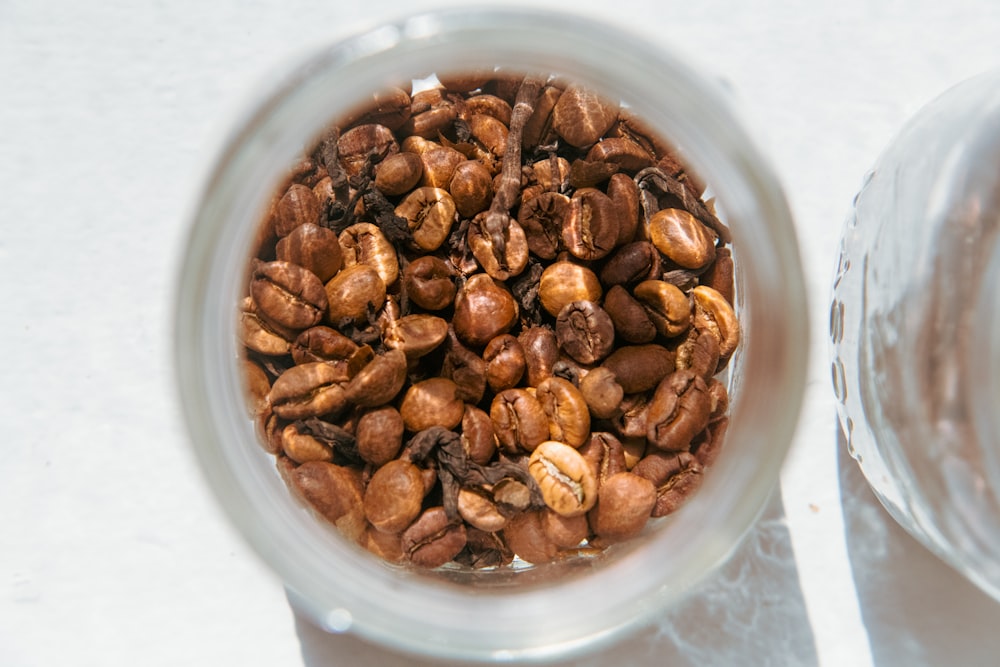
x=539 y=620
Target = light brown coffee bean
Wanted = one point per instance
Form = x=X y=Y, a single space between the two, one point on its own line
x=478 y=510
x=429 y=213
x=310 y=390
x=487 y=104
x=682 y=238
x=511 y=496
x=415 y=335
x=538 y=128
x=625 y=195
x=566 y=282
x=259 y=334
x=601 y=391
x=358 y=143
x=432 y=402
x=478 y=438
x=503 y=252
x=438 y=166
x=393 y=496
x=257 y=386
x=623 y=506
x=433 y=540
x=565 y=532
x=627 y=154
x=719 y=275
x=312 y=247
x=303 y=447
x=640 y=368
x=387 y=546
x=298 y=206
x=526 y=536
x=379 y=382
x=399 y=173
x=566 y=409
x=707 y=444
x=364 y=243
x=567 y=483
x=471 y=187
x=699 y=353
x=483 y=311
x=505 y=362
x=389 y=107
x=552 y=174
x=288 y=294
x=581 y=116
x=429 y=283
x=605 y=455
x=678 y=411
x=713 y=313
x=667 y=307
x=519 y=421
x=354 y=293
x=334 y=492
x=379 y=435
x=541 y=352
x=488 y=140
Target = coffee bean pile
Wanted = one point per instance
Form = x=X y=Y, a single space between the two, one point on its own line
x=485 y=320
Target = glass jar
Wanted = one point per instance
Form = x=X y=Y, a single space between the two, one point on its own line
x=914 y=324
x=513 y=613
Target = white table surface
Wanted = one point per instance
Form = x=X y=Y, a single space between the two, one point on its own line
x=112 y=551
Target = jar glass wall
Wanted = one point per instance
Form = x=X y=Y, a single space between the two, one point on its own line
x=503 y=614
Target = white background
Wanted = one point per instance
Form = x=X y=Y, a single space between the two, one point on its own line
x=112 y=552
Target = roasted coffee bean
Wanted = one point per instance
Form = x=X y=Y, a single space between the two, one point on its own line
x=630 y=320
x=552 y=173
x=258 y=386
x=478 y=438
x=541 y=352
x=564 y=531
x=713 y=313
x=399 y=173
x=602 y=392
x=543 y=218
x=682 y=238
x=438 y=166
x=389 y=107
x=632 y=263
x=322 y=343
x=465 y=368
x=483 y=311
x=415 y=335
x=387 y=546
x=433 y=539
x=260 y=335
x=526 y=536
x=624 y=503
x=502 y=253
x=487 y=104
x=379 y=435
x=605 y=455
x=719 y=275
x=675 y=476
x=519 y=420
x=488 y=139
x=364 y=243
x=484 y=550
x=312 y=247
x=699 y=353
x=378 y=383
x=631 y=421
x=310 y=390
x=581 y=116
x=566 y=409
x=303 y=447
x=680 y=408
x=505 y=362
x=707 y=444
x=718 y=399
x=667 y=307
x=477 y=509
x=288 y=294
x=566 y=282
x=627 y=154
x=333 y=491
x=429 y=213
x=591 y=229
x=394 y=496
x=625 y=195
x=568 y=485
x=432 y=402
x=585 y=331
x=356 y=145
x=428 y=281
x=471 y=186
x=511 y=496
x=354 y=293
x=298 y=206
x=635 y=449
x=639 y=368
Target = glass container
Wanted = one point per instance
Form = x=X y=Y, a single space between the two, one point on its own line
x=529 y=613
x=914 y=324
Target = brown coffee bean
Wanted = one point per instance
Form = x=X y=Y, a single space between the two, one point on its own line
x=605 y=455
x=478 y=510
x=433 y=539
x=707 y=444
x=484 y=550
x=303 y=447
x=483 y=311
x=519 y=421
x=682 y=238
x=287 y=294
x=259 y=334
x=257 y=386
x=488 y=137
x=487 y=104
x=428 y=283
x=430 y=403
x=438 y=166
x=565 y=532
x=321 y=343
x=625 y=195
x=678 y=411
x=389 y=107
x=538 y=128
x=417 y=145
x=268 y=427
x=699 y=353
x=505 y=362
x=581 y=116
x=566 y=409
x=713 y=313
x=526 y=536
x=585 y=331
x=719 y=275
x=541 y=352
x=465 y=368
x=567 y=483
x=478 y=438
x=399 y=173
x=591 y=230
x=601 y=391
x=630 y=320
x=313 y=248
x=471 y=187
x=298 y=206
x=632 y=263
x=635 y=449
x=387 y=546
x=543 y=218
x=675 y=476
x=379 y=435
x=627 y=154
x=334 y=492
x=378 y=383
x=310 y=390
x=667 y=307
x=465 y=81
x=718 y=399
x=358 y=143
x=503 y=254
x=623 y=506
x=566 y=282
x=552 y=174
x=429 y=213
x=511 y=496
x=639 y=368
x=354 y=293
x=364 y=243
x=394 y=496
x=632 y=420
x=415 y=335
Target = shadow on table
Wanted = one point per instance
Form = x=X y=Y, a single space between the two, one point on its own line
x=751 y=612
x=917 y=610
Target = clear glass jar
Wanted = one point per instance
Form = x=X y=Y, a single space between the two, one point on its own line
x=914 y=325
x=533 y=612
